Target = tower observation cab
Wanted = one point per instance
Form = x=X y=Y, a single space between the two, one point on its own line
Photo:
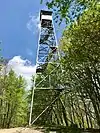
x=45 y=18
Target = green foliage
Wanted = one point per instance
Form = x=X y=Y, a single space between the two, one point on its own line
x=13 y=102
x=69 y=10
x=81 y=62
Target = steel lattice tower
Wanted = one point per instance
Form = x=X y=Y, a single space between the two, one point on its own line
x=47 y=51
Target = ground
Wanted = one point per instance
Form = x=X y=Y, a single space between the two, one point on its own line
x=19 y=130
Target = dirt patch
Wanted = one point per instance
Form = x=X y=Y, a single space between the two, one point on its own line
x=19 y=130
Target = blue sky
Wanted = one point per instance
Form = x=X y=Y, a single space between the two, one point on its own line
x=14 y=34
x=19 y=34
x=16 y=38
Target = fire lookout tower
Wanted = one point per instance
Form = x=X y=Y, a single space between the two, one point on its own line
x=47 y=52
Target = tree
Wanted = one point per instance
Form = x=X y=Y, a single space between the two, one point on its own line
x=81 y=59
x=69 y=10
x=13 y=102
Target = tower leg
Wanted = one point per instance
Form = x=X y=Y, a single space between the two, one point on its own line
x=31 y=108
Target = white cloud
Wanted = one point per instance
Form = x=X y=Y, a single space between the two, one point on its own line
x=34 y=23
x=23 y=68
